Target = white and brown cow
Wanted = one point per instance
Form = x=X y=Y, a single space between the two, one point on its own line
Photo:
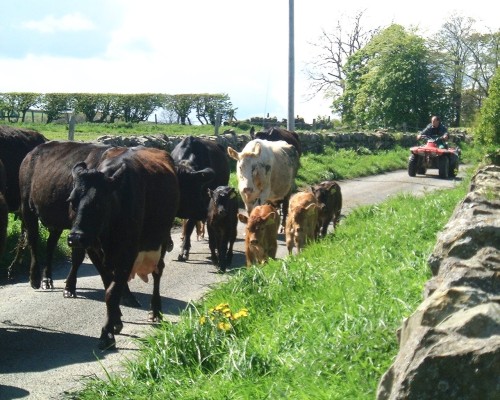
x=266 y=173
x=261 y=234
x=302 y=223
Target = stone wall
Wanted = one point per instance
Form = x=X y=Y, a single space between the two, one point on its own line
x=310 y=141
x=450 y=346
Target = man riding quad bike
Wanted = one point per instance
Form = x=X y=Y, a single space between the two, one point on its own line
x=434 y=154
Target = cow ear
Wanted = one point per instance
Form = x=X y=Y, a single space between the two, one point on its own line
x=243 y=218
x=270 y=218
x=233 y=153
x=78 y=169
x=210 y=193
x=256 y=149
x=118 y=174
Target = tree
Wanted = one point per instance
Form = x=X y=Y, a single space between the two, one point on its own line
x=452 y=52
x=21 y=102
x=388 y=82
x=182 y=105
x=326 y=72
x=53 y=104
x=488 y=128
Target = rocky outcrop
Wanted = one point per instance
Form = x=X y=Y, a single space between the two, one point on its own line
x=450 y=346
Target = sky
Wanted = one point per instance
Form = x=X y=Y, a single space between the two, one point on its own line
x=239 y=48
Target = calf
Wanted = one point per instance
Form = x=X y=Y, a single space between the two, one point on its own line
x=126 y=207
x=261 y=234
x=302 y=222
x=329 y=198
x=222 y=222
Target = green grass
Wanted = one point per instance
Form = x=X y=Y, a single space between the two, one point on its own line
x=320 y=324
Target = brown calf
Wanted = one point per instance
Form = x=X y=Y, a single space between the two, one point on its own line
x=302 y=222
x=329 y=198
x=261 y=234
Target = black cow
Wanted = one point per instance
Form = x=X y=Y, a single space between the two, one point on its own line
x=201 y=164
x=4 y=210
x=46 y=182
x=329 y=197
x=126 y=206
x=15 y=143
x=222 y=222
x=274 y=134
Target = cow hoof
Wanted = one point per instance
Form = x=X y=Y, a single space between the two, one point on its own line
x=183 y=257
x=153 y=317
x=129 y=300
x=47 y=284
x=35 y=284
x=117 y=328
x=69 y=294
x=107 y=341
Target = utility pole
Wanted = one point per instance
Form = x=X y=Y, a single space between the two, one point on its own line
x=291 y=68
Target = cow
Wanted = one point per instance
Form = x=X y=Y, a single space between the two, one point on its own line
x=266 y=172
x=46 y=182
x=222 y=223
x=274 y=134
x=201 y=164
x=329 y=198
x=302 y=223
x=4 y=209
x=125 y=207
x=261 y=234
x=15 y=143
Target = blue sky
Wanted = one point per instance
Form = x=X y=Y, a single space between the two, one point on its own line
x=191 y=46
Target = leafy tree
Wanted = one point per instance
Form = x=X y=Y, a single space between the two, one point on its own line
x=182 y=105
x=208 y=106
x=388 y=82
x=54 y=104
x=21 y=102
x=488 y=129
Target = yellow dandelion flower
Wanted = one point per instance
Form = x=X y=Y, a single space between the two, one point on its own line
x=203 y=320
x=224 y=326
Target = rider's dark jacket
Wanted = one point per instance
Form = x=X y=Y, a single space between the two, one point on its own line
x=434 y=132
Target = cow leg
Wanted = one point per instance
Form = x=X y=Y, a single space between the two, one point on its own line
x=31 y=225
x=77 y=256
x=113 y=323
x=54 y=235
x=212 y=244
x=229 y=256
x=284 y=212
x=186 y=243
x=155 y=311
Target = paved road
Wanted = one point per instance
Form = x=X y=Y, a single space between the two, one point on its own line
x=47 y=343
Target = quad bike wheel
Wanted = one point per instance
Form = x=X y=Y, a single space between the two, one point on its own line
x=444 y=167
x=412 y=165
x=453 y=171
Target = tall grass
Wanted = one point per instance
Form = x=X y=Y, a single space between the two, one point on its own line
x=320 y=325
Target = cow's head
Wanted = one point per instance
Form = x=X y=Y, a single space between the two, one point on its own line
x=221 y=199
x=261 y=220
x=91 y=201
x=193 y=190
x=253 y=173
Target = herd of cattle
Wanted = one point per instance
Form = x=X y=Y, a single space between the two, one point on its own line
x=120 y=204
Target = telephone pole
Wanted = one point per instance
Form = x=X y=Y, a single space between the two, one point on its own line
x=291 y=68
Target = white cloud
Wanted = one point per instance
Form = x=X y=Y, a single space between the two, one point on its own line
x=67 y=23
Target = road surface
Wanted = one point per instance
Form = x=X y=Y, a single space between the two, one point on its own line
x=48 y=343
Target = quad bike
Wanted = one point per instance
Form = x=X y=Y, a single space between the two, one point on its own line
x=434 y=154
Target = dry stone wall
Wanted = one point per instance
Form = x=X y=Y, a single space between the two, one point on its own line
x=450 y=346
x=310 y=141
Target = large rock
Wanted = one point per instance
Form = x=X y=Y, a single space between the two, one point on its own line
x=450 y=346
